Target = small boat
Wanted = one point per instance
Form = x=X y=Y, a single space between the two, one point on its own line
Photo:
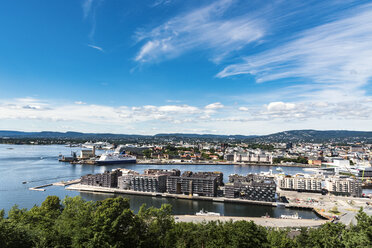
x=279 y=169
x=206 y=213
x=24 y=182
x=266 y=216
x=293 y=217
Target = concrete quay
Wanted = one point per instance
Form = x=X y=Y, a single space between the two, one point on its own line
x=266 y=222
x=80 y=187
x=66 y=183
x=41 y=187
x=171 y=162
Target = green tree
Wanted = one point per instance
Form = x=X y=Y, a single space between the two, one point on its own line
x=280 y=239
x=328 y=235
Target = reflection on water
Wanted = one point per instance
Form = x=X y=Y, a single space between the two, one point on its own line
x=181 y=206
x=39 y=165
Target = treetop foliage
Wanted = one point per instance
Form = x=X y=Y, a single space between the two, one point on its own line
x=75 y=222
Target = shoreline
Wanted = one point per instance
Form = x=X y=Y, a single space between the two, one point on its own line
x=95 y=189
x=146 y=162
x=87 y=188
x=266 y=222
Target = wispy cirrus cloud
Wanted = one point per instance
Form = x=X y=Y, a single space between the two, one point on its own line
x=87 y=7
x=89 y=13
x=161 y=2
x=96 y=47
x=204 y=27
x=336 y=55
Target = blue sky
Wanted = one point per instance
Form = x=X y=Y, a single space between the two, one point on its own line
x=224 y=67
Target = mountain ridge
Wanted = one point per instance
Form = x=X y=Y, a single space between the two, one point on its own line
x=305 y=135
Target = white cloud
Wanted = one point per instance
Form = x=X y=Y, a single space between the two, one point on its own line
x=79 y=102
x=280 y=106
x=96 y=47
x=161 y=2
x=243 y=109
x=39 y=115
x=87 y=6
x=213 y=106
x=335 y=56
x=203 y=27
x=173 y=101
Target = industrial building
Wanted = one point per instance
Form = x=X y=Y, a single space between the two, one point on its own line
x=251 y=187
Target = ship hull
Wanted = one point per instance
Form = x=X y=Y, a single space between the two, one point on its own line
x=133 y=161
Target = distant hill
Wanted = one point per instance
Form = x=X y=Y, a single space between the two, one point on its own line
x=339 y=136
x=69 y=135
x=317 y=136
x=209 y=136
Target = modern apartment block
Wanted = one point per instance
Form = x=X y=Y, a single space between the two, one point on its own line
x=251 y=187
x=153 y=180
x=337 y=185
x=252 y=158
x=107 y=179
x=200 y=183
x=301 y=183
x=144 y=183
x=344 y=186
x=173 y=172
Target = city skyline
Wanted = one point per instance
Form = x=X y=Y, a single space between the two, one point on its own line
x=166 y=66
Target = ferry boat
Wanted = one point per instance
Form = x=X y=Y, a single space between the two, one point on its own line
x=206 y=213
x=117 y=157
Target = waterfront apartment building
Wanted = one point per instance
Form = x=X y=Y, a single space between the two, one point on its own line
x=301 y=183
x=107 y=179
x=252 y=158
x=344 y=186
x=173 y=172
x=200 y=183
x=251 y=187
x=144 y=183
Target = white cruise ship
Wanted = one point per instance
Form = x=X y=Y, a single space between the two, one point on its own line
x=117 y=157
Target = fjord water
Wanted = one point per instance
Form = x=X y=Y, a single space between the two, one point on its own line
x=38 y=165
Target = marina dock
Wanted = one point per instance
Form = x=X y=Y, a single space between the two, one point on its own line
x=41 y=187
x=61 y=183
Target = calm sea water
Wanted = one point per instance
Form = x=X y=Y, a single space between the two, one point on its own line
x=38 y=165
